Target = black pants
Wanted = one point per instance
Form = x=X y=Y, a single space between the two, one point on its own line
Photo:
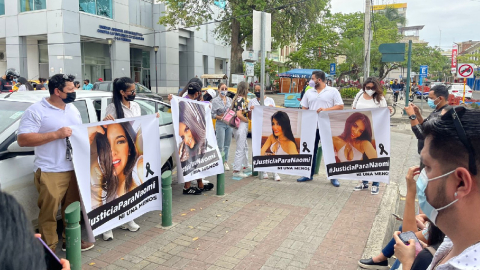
x=395 y=96
x=315 y=149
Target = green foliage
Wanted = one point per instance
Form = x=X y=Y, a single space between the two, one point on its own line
x=469 y=58
x=349 y=92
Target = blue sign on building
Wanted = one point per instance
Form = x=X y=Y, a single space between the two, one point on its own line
x=333 y=69
x=423 y=71
x=120 y=34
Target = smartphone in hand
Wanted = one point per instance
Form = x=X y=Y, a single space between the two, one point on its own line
x=51 y=260
x=398 y=217
x=406 y=236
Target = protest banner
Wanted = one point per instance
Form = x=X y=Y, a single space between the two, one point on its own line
x=118 y=168
x=356 y=144
x=283 y=140
x=196 y=145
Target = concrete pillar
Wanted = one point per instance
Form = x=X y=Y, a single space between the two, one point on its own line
x=194 y=55
x=120 y=55
x=17 y=54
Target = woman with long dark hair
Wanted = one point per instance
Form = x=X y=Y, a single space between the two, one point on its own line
x=240 y=105
x=192 y=130
x=371 y=96
x=24 y=85
x=355 y=143
x=123 y=106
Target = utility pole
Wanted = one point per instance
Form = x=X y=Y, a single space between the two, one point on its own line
x=367 y=37
x=262 y=51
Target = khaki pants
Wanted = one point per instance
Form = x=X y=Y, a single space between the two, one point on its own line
x=54 y=188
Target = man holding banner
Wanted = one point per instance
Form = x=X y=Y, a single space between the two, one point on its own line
x=320 y=98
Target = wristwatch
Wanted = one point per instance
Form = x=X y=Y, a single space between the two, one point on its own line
x=412 y=117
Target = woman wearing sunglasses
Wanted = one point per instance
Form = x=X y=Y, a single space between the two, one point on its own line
x=371 y=96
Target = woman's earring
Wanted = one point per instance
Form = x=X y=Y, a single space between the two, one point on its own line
x=455 y=194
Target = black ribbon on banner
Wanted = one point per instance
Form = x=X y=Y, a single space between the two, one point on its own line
x=148 y=170
x=305 y=148
x=382 y=149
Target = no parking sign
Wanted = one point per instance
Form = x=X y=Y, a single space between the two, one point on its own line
x=465 y=71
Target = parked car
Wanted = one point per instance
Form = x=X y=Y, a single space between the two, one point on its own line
x=435 y=84
x=456 y=89
x=140 y=89
x=16 y=163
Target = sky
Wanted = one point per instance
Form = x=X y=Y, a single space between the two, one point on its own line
x=456 y=20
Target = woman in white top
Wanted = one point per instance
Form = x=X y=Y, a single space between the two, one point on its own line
x=123 y=106
x=370 y=97
x=24 y=85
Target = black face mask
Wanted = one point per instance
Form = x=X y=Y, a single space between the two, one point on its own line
x=70 y=97
x=130 y=98
x=257 y=94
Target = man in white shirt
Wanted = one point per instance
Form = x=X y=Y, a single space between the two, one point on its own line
x=448 y=189
x=267 y=101
x=320 y=98
x=44 y=125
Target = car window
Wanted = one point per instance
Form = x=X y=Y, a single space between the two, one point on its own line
x=148 y=107
x=82 y=108
x=103 y=87
x=142 y=89
x=10 y=112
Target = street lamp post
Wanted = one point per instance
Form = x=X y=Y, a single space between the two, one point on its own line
x=110 y=42
x=156 y=77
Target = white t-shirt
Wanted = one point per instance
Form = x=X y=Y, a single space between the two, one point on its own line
x=268 y=101
x=43 y=117
x=22 y=88
x=327 y=98
x=361 y=103
x=133 y=111
x=468 y=259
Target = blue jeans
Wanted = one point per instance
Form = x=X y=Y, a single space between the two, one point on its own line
x=224 y=137
x=373 y=183
x=389 y=249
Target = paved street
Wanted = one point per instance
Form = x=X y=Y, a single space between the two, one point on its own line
x=263 y=224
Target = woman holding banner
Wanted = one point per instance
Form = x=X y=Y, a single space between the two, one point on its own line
x=240 y=105
x=370 y=97
x=223 y=131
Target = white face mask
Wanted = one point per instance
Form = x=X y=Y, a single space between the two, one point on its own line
x=370 y=92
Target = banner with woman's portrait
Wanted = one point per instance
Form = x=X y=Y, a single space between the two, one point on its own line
x=283 y=140
x=356 y=144
x=118 y=167
x=197 y=152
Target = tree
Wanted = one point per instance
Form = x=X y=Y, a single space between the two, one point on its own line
x=290 y=20
x=473 y=58
x=392 y=15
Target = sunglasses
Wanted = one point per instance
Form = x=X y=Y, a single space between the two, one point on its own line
x=454 y=113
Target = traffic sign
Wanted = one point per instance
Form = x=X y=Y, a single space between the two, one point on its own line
x=333 y=69
x=465 y=70
x=423 y=71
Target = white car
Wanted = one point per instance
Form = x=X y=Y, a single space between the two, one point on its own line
x=456 y=89
x=16 y=163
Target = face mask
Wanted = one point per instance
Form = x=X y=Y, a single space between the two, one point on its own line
x=370 y=92
x=223 y=93
x=431 y=103
x=427 y=208
x=311 y=83
x=15 y=80
x=70 y=97
x=130 y=98
x=257 y=94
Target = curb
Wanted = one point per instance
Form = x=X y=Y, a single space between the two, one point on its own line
x=384 y=222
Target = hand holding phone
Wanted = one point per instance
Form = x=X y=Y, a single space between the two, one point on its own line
x=406 y=236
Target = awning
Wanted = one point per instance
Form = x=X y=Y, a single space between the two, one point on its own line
x=214 y=76
x=300 y=73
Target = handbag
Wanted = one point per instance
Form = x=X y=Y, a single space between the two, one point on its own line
x=230 y=117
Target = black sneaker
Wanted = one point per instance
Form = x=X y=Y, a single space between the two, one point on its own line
x=361 y=186
x=369 y=264
x=207 y=187
x=192 y=191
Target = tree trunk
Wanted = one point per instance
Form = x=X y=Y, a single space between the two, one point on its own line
x=236 y=61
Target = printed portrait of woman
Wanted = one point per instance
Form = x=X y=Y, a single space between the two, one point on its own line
x=281 y=141
x=116 y=161
x=356 y=141
x=192 y=130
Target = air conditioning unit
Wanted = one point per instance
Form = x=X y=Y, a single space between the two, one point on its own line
x=3 y=57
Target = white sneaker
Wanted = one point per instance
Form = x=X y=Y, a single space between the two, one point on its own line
x=131 y=226
x=265 y=175
x=247 y=169
x=277 y=177
x=225 y=165
x=205 y=181
x=239 y=174
x=108 y=235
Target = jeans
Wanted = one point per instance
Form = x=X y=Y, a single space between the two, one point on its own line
x=389 y=249
x=373 y=183
x=241 y=152
x=224 y=137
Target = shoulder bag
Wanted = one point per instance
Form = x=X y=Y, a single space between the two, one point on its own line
x=230 y=117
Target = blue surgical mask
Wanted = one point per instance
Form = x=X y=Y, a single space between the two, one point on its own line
x=431 y=103
x=311 y=83
x=427 y=208
x=223 y=93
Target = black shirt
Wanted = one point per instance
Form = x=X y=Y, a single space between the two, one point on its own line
x=418 y=129
x=5 y=85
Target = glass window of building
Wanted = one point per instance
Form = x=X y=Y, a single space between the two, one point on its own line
x=141 y=12
x=97 y=7
x=30 y=5
x=2 y=7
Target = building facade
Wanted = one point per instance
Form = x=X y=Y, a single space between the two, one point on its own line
x=106 y=39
